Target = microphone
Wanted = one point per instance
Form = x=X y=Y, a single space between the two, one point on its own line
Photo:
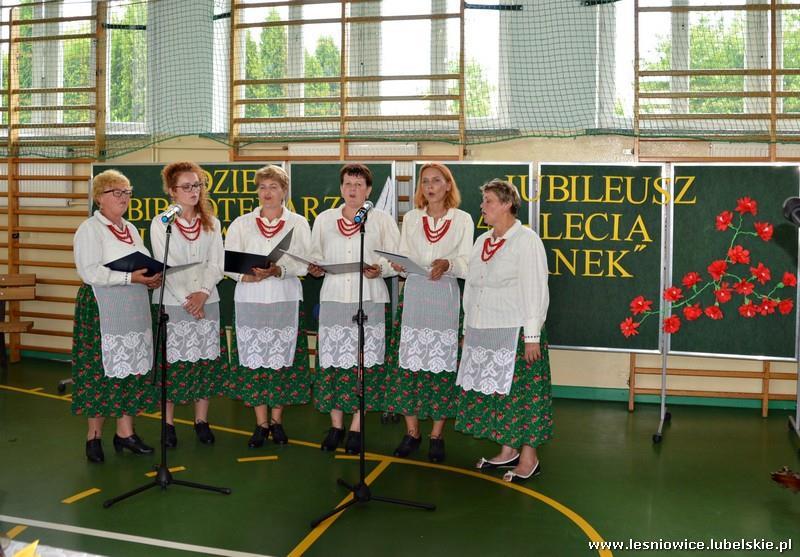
x=791 y=210
x=361 y=215
x=172 y=212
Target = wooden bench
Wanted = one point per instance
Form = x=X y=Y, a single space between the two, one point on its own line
x=14 y=288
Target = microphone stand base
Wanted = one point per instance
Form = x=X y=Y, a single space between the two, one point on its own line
x=361 y=493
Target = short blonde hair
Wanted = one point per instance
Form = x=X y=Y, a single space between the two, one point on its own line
x=272 y=172
x=453 y=198
x=505 y=191
x=105 y=179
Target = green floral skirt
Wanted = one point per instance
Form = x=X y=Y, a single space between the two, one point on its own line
x=191 y=381
x=336 y=388
x=417 y=393
x=94 y=395
x=273 y=387
x=522 y=417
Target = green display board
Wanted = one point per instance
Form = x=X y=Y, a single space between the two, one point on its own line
x=231 y=191
x=314 y=189
x=602 y=229
x=708 y=191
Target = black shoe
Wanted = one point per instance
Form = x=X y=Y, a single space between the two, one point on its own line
x=353 y=443
x=333 y=439
x=94 y=450
x=204 y=433
x=407 y=446
x=278 y=434
x=133 y=443
x=436 y=449
x=260 y=435
x=172 y=437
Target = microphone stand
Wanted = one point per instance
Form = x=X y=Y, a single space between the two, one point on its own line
x=163 y=477
x=360 y=491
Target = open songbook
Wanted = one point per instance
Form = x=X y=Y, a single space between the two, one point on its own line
x=138 y=260
x=406 y=262
x=332 y=268
x=243 y=262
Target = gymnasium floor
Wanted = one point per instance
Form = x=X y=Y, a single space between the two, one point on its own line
x=602 y=479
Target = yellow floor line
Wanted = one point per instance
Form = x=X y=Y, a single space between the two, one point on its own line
x=173 y=469
x=312 y=536
x=367 y=456
x=37 y=390
x=578 y=520
x=256 y=458
x=81 y=495
x=32 y=392
x=15 y=531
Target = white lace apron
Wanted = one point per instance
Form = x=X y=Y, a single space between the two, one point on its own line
x=338 y=335
x=125 y=329
x=190 y=339
x=266 y=334
x=487 y=360
x=429 y=333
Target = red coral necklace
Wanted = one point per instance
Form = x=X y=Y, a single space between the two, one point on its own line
x=191 y=232
x=490 y=248
x=268 y=231
x=122 y=236
x=434 y=235
x=347 y=229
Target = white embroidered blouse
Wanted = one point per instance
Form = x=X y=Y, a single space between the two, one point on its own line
x=94 y=245
x=206 y=250
x=245 y=235
x=454 y=246
x=510 y=289
x=331 y=246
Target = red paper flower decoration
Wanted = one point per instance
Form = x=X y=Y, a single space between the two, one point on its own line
x=693 y=312
x=691 y=278
x=738 y=254
x=713 y=312
x=760 y=273
x=764 y=230
x=754 y=303
x=717 y=269
x=746 y=205
x=744 y=288
x=628 y=327
x=673 y=294
x=723 y=220
x=748 y=310
x=672 y=324
x=723 y=293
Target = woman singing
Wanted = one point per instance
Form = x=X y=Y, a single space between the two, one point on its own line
x=271 y=343
x=335 y=238
x=504 y=370
x=424 y=345
x=112 y=346
x=197 y=358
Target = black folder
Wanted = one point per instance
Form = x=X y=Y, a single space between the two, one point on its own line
x=137 y=260
x=242 y=262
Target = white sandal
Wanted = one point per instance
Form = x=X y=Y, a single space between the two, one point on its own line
x=513 y=477
x=484 y=464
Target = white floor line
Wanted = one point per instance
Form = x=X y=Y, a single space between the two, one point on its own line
x=127 y=537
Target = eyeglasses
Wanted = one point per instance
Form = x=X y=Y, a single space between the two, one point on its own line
x=120 y=193
x=191 y=187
